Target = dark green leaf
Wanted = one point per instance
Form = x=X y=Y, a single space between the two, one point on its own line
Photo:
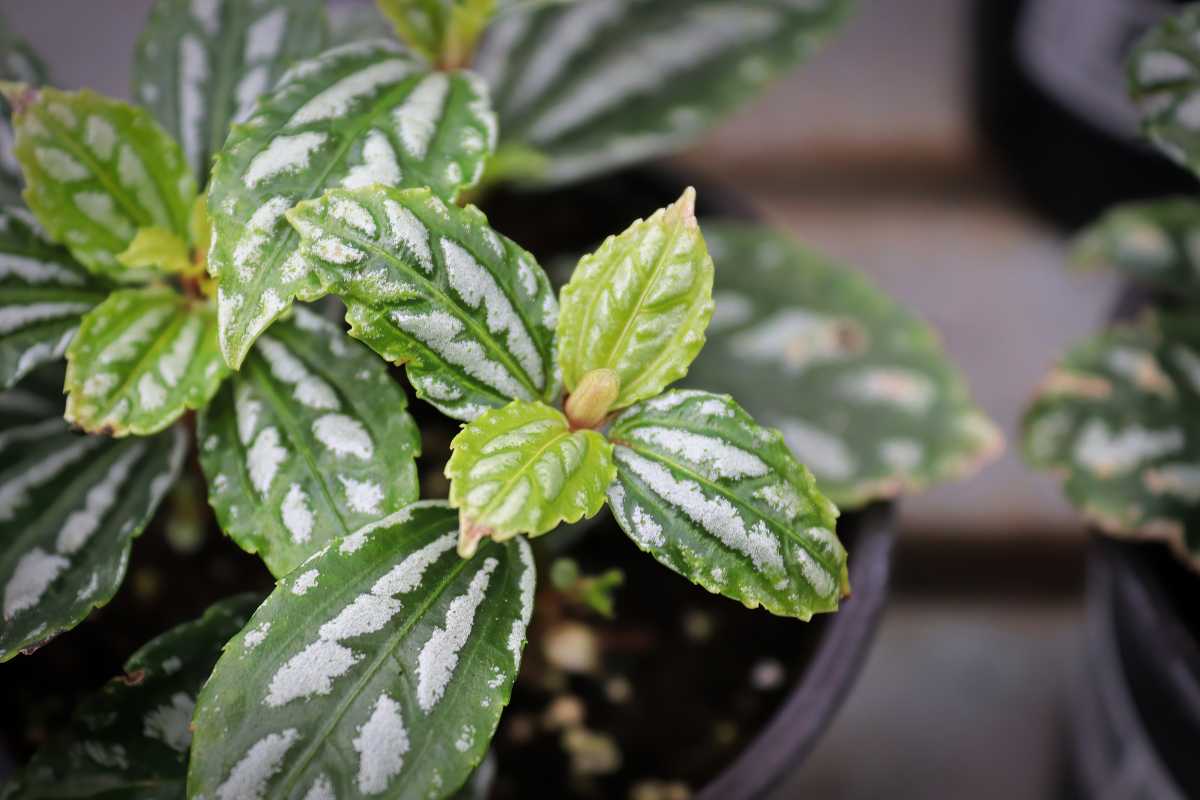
x=1156 y=242
x=1164 y=77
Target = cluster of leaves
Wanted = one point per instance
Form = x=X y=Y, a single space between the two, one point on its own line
x=1119 y=416
x=163 y=250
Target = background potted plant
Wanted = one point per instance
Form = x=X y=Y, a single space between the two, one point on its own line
x=163 y=303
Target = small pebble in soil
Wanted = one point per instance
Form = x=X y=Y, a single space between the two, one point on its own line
x=618 y=690
x=591 y=753
x=147 y=585
x=725 y=733
x=520 y=727
x=697 y=626
x=767 y=675
x=565 y=711
x=660 y=790
x=572 y=646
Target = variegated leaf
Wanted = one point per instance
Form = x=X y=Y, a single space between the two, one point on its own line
x=432 y=286
x=639 y=305
x=131 y=738
x=521 y=469
x=308 y=442
x=1164 y=78
x=202 y=64
x=379 y=667
x=357 y=115
x=722 y=501
x=43 y=293
x=97 y=170
x=141 y=358
x=1156 y=242
x=860 y=388
x=18 y=62
x=443 y=31
x=1119 y=420
x=597 y=84
x=69 y=507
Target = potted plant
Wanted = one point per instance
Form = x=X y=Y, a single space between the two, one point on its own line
x=1116 y=418
x=383 y=658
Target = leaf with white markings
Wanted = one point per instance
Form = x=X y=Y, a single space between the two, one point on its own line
x=468 y=312
x=379 y=667
x=639 y=305
x=202 y=64
x=131 y=738
x=861 y=389
x=141 y=358
x=722 y=501
x=69 y=507
x=521 y=469
x=308 y=442
x=1156 y=242
x=98 y=170
x=354 y=116
x=1163 y=70
x=598 y=84
x=43 y=294
x=1117 y=419
x=18 y=62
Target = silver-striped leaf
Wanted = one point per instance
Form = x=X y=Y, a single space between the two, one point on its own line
x=378 y=667
x=468 y=312
x=201 y=65
x=308 y=442
x=1163 y=71
x=354 y=116
x=69 y=507
x=722 y=501
x=142 y=358
x=131 y=738
x=1119 y=420
x=43 y=294
x=18 y=62
x=97 y=171
x=861 y=389
x=598 y=84
x=1155 y=242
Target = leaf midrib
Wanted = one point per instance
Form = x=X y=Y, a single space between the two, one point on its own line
x=139 y=368
x=520 y=473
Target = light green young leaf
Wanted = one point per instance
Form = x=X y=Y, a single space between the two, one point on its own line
x=69 y=507
x=308 y=442
x=141 y=358
x=723 y=502
x=354 y=116
x=379 y=667
x=639 y=305
x=521 y=469
x=598 y=84
x=202 y=64
x=1119 y=420
x=43 y=293
x=1156 y=242
x=131 y=738
x=97 y=170
x=861 y=389
x=469 y=313
x=19 y=63
x=1163 y=70
x=157 y=249
x=443 y=31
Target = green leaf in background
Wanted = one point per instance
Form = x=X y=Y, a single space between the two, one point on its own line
x=69 y=507
x=43 y=294
x=598 y=84
x=639 y=305
x=521 y=469
x=860 y=388
x=355 y=116
x=1163 y=70
x=202 y=64
x=97 y=170
x=443 y=31
x=131 y=738
x=308 y=442
x=1156 y=242
x=19 y=63
x=722 y=501
x=141 y=358
x=379 y=667
x=432 y=286
x=1119 y=419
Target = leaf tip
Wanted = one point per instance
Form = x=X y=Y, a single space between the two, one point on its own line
x=470 y=534
x=19 y=95
x=685 y=208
